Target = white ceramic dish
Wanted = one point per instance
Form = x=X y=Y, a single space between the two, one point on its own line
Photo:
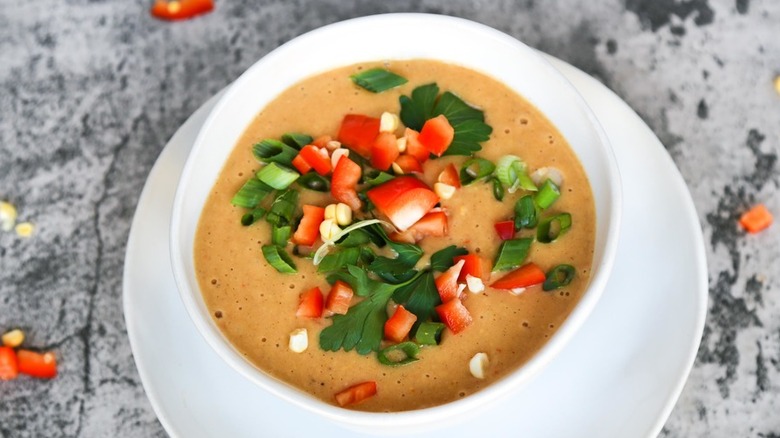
x=424 y=36
x=619 y=377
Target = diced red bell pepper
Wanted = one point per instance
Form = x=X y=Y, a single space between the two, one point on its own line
x=473 y=265
x=398 y=326
x=756 y=219
x=404 y=200
x=450 y=176
x=322 y=141
x=505 y=229
x=408 y=164
x=311 y=304
x=525 y=276
x=356 y=393
x=414 y=147
x=9 y=367
x=447 y=282
x=432 y=224
x=317 y=158
x=299 y=163
x=454 y=315
x=343 y=184
x=339 y=298
x=436 y=135
x=180 y=9
x=40 y=365
x=358 y=132
x=309 y=227
x=384 y=151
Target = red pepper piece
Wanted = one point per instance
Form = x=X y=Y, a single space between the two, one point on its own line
x=436 y=135
x=408 y=164
x=311 y=304
x=454 y=315
x=473 y=265
x=339 y=298
x=505 y=229
x=414 y=147
x=450 y=176
x=309 y=227
x=40 y=365
x=384 y=151
x=317 y=158
x=447 y=282
x=404 y=200
x=180 y=9
x=397 y=327
x=9 y=367
x=525 y=276
x=299 y=163
x=358 y=133
x=343 y=184
x=356 y=393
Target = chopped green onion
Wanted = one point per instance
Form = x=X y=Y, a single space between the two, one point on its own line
x=251 y=193
x=376 y=178
x=511 y=171
x=277 y=176
x=281 y=235
x=498 y=189
x=399 y=354
x=335 y=261
x=512 y=253
x=282 y=209
x=525 y=181
x=296 y=140
x=313 y=181
x=553 y=227
x=559 y=276
x=547 y=195
x=279 y=259
x=274 y=151
x=253 y=216
x=429 y=333
x=474 y=169
x=525 y=213
x=377 y=80
x=328 y=244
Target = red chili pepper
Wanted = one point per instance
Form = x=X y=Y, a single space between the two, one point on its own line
x=180 y=9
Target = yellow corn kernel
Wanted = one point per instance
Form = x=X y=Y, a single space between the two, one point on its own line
x=299 y=340
x=400 y=142
x=343 y=214
x=330 y=211
x=328 y=229
x=397 y=169
x=444 y=191
x=388 y=122
x=13 y=339
x=7 y=216
x=24 y=229
x=332 y=145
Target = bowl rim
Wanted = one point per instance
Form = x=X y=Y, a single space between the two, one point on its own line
x=601 y=271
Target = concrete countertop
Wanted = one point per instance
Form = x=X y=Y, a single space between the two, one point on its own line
x=90 y=91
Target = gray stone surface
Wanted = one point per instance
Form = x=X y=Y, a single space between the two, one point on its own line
x=91 y=90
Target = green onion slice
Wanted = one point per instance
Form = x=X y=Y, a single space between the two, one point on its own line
x=253 y=216
x=376 y=178
x=475 y=169
x=399 y=354
x=313 y=181
x=377 y=80
x=296 y=140
x=283 y=208
x=281 y=235
x=511 y=171
x=547 y=195
x=279 y=259
x=277 y=176
x=498 y=189
x=274 y=151
x=558 y=277
x=526 y=215
x=512 y=253
x=553 y=227
x=251 y=193
x=429 y=333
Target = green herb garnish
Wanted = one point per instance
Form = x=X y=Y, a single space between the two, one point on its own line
x=475 y=169
x=337 y=260
x=296 y=140
x=559 y=276
x=283 y=208
x=547 y=195
x=378 y=80
x=512 y=253
x=253 y=216
x=443 y=259
x=429 y=333
x=280 y=235
x=277 y=176
x=279 y=259
x=525 y=213
x=553 y=227
x=251 y=193
x=399 y=354
x=274 y=151
x=467 y=121
x=314 y=181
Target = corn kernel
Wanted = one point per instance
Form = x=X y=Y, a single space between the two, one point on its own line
x=777 y=84
x=330 y=211
x=7 y=216
x=478 y=364
x=474 y=284
x=13 y=339
x=343 y=214
x=328 y=229
x=397 y=169
x=388 y=122
x=444 y=191
x=332 y=145
x=400 y=142
x=299 y=340
x=24 y=229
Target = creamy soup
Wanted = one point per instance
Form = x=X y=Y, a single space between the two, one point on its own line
x=255 y=306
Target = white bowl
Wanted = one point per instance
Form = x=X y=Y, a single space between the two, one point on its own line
x=393 y=37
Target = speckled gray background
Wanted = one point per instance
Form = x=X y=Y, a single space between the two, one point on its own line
x=90 y=91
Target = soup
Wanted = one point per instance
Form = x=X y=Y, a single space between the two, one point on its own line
x=519 y=210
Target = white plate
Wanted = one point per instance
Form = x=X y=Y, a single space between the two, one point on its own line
x=619 y=376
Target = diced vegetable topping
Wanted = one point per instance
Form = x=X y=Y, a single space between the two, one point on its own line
x=756 y=219
x=384 y=151
x=356 y=393
x=436 y=135
x=404 y=200
x=277 y=176
x=472 y=265
x=309 y=226
x=429 y=333
x=9 y=367
x=397 y=327
x=40 y=365
x=311 y=304
x=343 y=186
x=454 y=315
x=526 y=276
x=377 y=80
x=558 y=277
x=358 y=133
x=339 y=298
x=399 y=354
x=447 y=283
x=299 y=340
x=505 y=229
x=172 y=10
x=512 y=253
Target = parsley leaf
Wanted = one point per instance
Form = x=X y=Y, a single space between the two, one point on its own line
x=357 y=278
x=467 y=121
x=442 y=260
x=361 y=327
x=419 y=296
x=336 y=260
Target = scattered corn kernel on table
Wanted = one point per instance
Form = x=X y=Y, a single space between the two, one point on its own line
x=91 y=93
